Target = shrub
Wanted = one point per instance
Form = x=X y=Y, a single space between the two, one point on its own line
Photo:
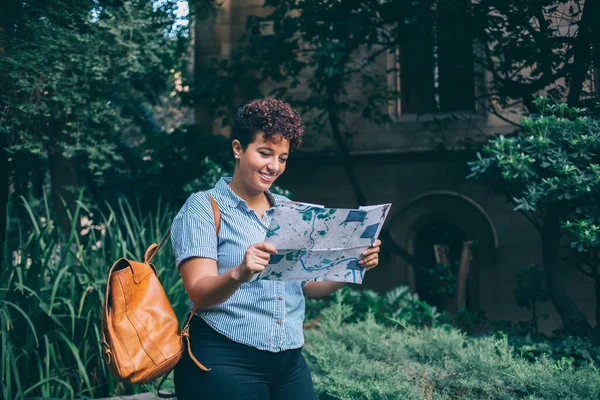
x=571 y=350
x=367 y=360
x=397 y=307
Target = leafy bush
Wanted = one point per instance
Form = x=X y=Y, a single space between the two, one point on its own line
x=571 y=350
x=397 y=307
x=367 y=360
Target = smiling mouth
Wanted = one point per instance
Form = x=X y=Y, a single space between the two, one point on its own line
x=267 y=177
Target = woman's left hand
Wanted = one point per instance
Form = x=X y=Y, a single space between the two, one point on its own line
x=370 y=257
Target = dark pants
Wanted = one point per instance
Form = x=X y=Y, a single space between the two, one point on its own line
x=238 y=371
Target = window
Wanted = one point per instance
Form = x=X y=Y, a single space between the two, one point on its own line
x=435 y=59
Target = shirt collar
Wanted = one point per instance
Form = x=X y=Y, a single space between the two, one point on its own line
x=228 y=197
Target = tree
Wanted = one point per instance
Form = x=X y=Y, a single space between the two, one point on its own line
x=74 y=76
x=551 y=172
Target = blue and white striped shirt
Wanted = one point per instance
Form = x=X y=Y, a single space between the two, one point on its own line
x=264 y=314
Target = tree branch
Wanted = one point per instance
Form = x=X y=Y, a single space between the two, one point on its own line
x=581 y=53
x=493 y=111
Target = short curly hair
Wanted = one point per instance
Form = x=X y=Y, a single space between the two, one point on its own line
x=272 y=117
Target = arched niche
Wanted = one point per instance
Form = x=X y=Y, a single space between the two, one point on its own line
x=452 y=208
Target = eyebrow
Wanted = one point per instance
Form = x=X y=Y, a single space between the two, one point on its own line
x=270 y=149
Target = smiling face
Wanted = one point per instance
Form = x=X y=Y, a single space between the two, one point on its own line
x=262 y=161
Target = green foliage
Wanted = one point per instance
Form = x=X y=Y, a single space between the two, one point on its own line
x=397 y=307
x=551 y=171
x=176 y=164
x=553 y=162
x=90 y=98
x=444 y=276
x=76 y=73
x=575 y=351
x=531 y=287
x=530 y=290
x=52 y=293
x=367 y=360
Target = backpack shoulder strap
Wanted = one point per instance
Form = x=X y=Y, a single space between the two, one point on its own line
x=216 y=213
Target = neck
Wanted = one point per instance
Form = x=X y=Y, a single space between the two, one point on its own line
x=252 y=197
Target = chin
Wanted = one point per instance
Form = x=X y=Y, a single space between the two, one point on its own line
x=266 y=186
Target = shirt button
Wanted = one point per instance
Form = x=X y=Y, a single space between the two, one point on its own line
x=279 y=298
x=278 y=322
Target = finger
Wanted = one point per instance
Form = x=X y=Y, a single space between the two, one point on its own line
x=371 y=262
x=377 y=243
x=257 y=268
x=372 y=250
x=369 y=251
x=268 y=247
x=259 y=260
x=371 y=265
x=368 y=259
x=261 y=257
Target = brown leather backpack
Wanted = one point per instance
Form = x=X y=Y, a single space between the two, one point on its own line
x=141 y=339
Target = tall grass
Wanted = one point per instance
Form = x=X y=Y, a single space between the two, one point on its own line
x=53 y=289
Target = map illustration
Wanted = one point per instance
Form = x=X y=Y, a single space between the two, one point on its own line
x=321 y=244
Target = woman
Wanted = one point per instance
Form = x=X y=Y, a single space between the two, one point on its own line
x=249 y=334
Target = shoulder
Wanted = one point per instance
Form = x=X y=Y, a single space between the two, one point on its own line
x=196 y=215
x=198 y=208
x=198 y=203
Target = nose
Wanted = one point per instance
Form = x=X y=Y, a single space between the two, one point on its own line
x=273 y=166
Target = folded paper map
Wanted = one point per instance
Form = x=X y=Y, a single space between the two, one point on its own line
x=321 y=244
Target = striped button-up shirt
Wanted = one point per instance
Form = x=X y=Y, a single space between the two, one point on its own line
x=264 y=314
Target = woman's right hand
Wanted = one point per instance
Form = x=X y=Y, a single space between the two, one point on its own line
x=255 y=260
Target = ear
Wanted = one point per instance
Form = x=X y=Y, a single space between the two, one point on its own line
x=237 y=148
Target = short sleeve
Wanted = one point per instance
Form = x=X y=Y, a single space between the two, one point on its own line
x=193 y=232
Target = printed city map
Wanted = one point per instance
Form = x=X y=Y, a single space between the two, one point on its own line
x=315 y=243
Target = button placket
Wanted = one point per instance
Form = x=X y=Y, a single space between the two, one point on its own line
x=280 y=312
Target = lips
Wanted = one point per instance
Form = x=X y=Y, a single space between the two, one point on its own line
x=267 y=177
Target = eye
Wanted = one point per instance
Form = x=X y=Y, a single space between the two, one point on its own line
x=264 y=154
x=282 y=160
